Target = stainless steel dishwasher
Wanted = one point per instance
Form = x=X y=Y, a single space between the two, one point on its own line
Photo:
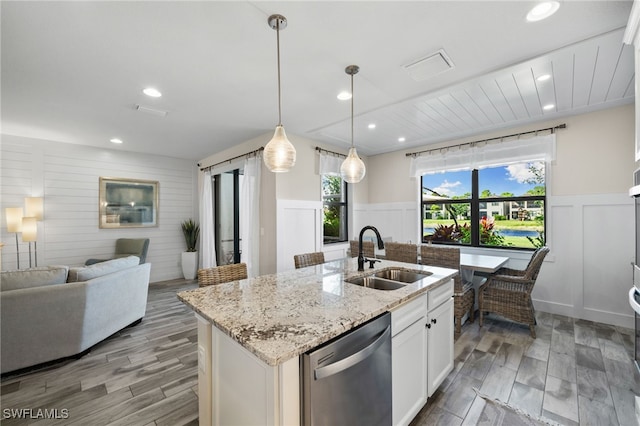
x=347 y=381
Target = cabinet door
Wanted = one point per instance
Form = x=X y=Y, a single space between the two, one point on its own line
x=409 y=372
x=439 y=344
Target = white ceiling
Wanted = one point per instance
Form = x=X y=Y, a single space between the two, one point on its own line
x=74 y=71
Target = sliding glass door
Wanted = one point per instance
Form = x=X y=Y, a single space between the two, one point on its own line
x=227 y=216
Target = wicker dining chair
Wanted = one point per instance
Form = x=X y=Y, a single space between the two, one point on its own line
x=308 y=259
x=508 y=292
x=401 y=252
x=463 y=293
x=222 y=274
x=368 y=248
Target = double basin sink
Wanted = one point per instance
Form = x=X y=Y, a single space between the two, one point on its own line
x=388 y=279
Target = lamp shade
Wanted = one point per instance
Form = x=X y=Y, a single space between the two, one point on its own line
x=14 y=218
x=279 y=153
x=29 y=229
x=34 y=207
x=352 y=169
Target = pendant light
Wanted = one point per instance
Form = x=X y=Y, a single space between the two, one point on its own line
x=352 y=169
x=279 y=154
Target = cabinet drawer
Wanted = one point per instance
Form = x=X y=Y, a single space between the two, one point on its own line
x=408 y=313
x=440 y=295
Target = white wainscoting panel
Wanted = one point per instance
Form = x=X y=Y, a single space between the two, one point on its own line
x=395 y=221
x=299 y=230
x=592 y=241
x=67 y=176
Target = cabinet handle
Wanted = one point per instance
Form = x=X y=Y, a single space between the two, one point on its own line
x=434 y=320
x=428 y=325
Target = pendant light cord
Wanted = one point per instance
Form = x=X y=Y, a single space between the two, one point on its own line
x=351 y=110
x=278 y=47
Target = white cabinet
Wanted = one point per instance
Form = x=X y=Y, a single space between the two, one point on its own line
x=439 y=344
x=422 y=350
x=408 y=357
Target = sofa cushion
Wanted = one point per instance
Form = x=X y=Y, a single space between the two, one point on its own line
x=96 y=270
x=33 y=277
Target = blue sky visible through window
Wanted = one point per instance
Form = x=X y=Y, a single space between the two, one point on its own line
x=498 y=180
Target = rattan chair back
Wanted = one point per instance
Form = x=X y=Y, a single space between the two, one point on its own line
x=368 y=248
x=401 y=252
x=222 y=274
x=446 y=257
x=308 y=259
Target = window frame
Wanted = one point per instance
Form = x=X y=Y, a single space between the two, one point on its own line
x=475 y=217
x=345 y=204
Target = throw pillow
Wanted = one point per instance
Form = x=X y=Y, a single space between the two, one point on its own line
x=33 y=277
x=96 y=270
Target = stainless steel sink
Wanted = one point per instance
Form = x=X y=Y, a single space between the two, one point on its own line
x=401 y=275
x=376 y=283
x=389 y=279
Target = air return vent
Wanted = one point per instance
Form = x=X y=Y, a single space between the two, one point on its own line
x=429 y=66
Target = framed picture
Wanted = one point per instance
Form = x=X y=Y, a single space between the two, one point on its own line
x=128 y=203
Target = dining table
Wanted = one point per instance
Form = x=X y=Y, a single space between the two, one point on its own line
x=486 y=264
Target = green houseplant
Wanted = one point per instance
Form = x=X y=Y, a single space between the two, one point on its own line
x=191 y=232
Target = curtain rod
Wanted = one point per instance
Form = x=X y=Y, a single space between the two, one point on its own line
x=202 y=169
x=551 y=129
x=337 y=154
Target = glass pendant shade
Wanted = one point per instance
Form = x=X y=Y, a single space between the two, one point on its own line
x=352 y=169
x=279 y=154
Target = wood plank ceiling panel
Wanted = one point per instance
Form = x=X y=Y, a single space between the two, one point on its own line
x=546 y=89
x=527 y=88
x=495 y=95
x=585 y=58
x=605 y=69
x=483 y=102
x=622 y=84
x=462 y=97
x=512 y=94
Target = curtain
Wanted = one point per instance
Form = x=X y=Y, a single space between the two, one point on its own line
x=488 y=154
x=250 y=214
x=330 y=163
x=207 y=226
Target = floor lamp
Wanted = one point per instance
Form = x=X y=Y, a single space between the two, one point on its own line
x=14 y=224
x=34 y=208
x=29 y=234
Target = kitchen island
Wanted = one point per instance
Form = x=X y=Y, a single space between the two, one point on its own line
x=252 y=332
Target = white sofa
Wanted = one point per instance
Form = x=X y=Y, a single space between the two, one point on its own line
x=56 y=312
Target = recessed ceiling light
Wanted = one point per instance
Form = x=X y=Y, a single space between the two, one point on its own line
x=548 y=107
x=116 y=140
x=543 y=77
x=344 y=96
x=542 y=11
x=401 y=139
x=150 y=91
x=372 y=125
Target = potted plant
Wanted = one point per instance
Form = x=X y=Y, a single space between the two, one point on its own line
x=191 y=232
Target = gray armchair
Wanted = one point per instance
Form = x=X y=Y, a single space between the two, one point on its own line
x=127 y=247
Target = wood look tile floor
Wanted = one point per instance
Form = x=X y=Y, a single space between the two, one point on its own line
x=575 y=372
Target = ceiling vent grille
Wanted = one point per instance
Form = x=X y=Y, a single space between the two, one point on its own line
x=429 y=66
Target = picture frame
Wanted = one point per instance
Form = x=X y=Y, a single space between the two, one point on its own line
x=128 y=203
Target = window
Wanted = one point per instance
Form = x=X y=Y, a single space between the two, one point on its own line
x=334 y=200
x=227 y=216
x=501 y=206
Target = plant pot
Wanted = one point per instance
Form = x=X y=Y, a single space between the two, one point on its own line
x=189 y=264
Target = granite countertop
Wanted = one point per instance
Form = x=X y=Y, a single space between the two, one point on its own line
x=280 y=316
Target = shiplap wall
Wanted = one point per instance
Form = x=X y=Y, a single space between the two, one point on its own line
x=67 y=176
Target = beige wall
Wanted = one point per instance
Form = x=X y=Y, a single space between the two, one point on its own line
x=595 y=155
